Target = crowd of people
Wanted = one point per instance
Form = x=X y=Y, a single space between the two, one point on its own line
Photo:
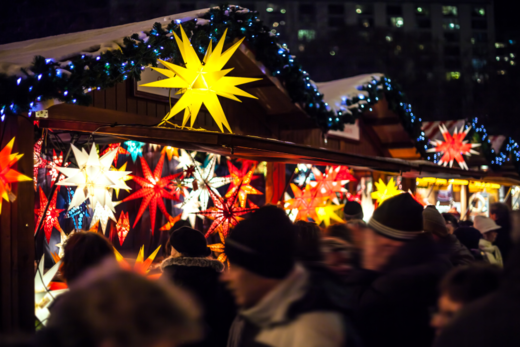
x=411 y=276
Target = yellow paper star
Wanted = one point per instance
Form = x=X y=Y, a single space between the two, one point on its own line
x=201 y=82
x=328 y=212
x=171 y=152
x=124 y=179
x=385 y=192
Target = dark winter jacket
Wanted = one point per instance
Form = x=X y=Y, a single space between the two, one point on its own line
x=456 y=252
x=392 y=307
x=492 y=320
x=200 y=277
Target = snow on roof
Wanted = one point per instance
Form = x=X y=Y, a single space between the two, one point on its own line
x=336 y=92
x=17 y=55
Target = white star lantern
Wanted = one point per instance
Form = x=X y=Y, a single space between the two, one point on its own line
x=101 y=214
x=43 y=295
x=190 y=208
x=205 y=179
x=93 y=178
x=186 y=160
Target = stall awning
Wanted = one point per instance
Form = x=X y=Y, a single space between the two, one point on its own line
x=125 y=126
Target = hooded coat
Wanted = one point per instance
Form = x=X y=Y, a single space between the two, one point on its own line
x=199 y=276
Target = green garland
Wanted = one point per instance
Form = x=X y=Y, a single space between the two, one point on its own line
x=72 y=83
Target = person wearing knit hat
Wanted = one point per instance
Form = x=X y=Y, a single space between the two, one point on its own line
x=396 y=286
x=435 y=224
x=281 y=303
x=352 y=210
x=190 y=268
x=489 y=230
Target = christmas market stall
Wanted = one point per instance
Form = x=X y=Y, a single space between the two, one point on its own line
x=201 y=116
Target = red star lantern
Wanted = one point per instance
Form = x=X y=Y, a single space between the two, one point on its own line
x=52 y=165
x=352 y=197
x=453 y=147
x=327 y=185
x=120 y=150
x=154 y=189
x=241 y=182
x=38 y=161
x=225 y=214
x=51 y=217
x=308 y=208
x=7 y=174
x=342 y=173
x=121 y=229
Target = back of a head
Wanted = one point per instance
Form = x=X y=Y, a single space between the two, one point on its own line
x=469 y=283
x=340 y=231
x=433 y=222
x=308 y=237
x=352 y=210
x=449 y=218
x=263 y=243
x=83 y=251
x=122 y=310
x=468 y=236
x=503 y=214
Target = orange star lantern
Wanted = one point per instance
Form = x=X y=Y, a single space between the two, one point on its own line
x=220 y=248
x=226 y=212
x=171 y=152
x=141 y=266
x=7 y=174
x=300 y=197
x=241 y=182
x=154 y=189
x=51 y=217
x=453 y=147
x=121 y=229
x=120 y=150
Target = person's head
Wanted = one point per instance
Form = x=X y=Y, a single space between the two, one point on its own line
x=357 y=229
x=261 y=251
x=487 y=227
x=308 y=237
x=451 y=222
x=352 y=210
x=340 y=231
x=339 y=255
x=123 y=309
x=83 y=251
x=468 y=236
x=188 y=242
x=434 y=223
x=501 y=214
x=462 y=286
x=177 y=225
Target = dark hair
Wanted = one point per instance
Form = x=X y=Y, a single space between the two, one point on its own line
x=84 y=250
x=468 y=236
x=308 y=236
x=449 y=218
x=469 y=283
x=340 y=231
x=503 y=214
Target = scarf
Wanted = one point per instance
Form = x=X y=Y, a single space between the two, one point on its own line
x=491 y=251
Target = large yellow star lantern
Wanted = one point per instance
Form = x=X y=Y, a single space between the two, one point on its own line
x=385 y=191
x=201 y=82
x=7 y=174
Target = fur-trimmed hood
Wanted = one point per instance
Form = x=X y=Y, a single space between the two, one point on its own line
x=195 y=262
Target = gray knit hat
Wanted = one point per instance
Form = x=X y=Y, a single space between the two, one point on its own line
x=433 y=222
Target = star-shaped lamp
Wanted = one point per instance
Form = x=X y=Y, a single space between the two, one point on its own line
x=186 y=160
x=327 y=185
x=243 y=184
x=226 y=213
x=101 y=215
x=220 y=248
x=328 y=212
x=201 y=82
x=453 y=147
x=135 y=148
x=141 y=266
x=120 y=150
x=51 y=217
x=124 y=179
x=171 y=152
x=385 y=191
x=7 y=174
x=53 y=165
x=38 y=161
x=190 y=210
x=153 y=189
x=121 y=229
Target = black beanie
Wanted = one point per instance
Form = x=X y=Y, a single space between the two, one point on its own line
x=352 y=210
x=264 y=243
x=189 y=242
x=179 y=224
x=398 y=218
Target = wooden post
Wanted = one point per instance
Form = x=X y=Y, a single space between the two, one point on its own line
x=408 y=184
x=17 y=235
x=274 y=182
x=464 y=201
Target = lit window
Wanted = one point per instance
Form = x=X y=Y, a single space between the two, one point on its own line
x=422 y=11
x=501 y=72
x=450 y=11
x=498 y=58
x=397 y=22
x=506 y=58
x=269 y=9
x=307 y=35
x=388 y=38
x=332 y=53
x=499 y=45
x=421 y=47
x=275 y=24
x=301 y=48
x=453 y=75
x=512 y=55
x=359 y=10
x=273 y=31
x=451 y=24
x=419 y=10
x=283 y=11
x=479 y=12
x=513 y=62
x=473 y=41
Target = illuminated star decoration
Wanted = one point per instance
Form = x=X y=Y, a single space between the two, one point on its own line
x=225 y=214
x=170 y=223
x=141 y=266
x=328 y=212
x=77 y=213
x=38 y=161
x=135 y=148
x=53 y=165
x=46 y=291
x=51 y=217
x=101 y=215
x=205 y=180
x=201 y=82
x=385 y=191
x=61 y=246
x=153 y=190
x=120 y=150
x=242 y=181
x=124 y=179
x=186 y=160
x=7 y=174
x=190 y=210
x=121 y=229
x=327 y=185
x=220 y=248
x=306 y=202
x=93 y=178
x=171 y=152
x=453 y=147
